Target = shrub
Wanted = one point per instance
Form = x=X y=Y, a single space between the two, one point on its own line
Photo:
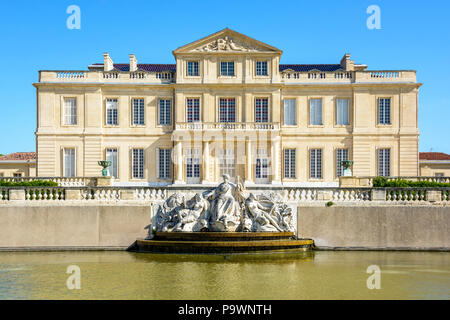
x=329 y=203
x=382 y=182
x=34 y=183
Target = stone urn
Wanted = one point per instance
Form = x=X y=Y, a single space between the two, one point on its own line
x=347 y=164
x=105 y=164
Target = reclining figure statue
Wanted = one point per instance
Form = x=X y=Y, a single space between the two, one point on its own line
x=225 y=208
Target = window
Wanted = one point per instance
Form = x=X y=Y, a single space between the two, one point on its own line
x=227 y=110
x=342 y=112
x=289 y=163
x=111 y=112
x=69 y=162
x=226 y=162
x=138 y=163
x=341 y=155
x=193 y=110
x=439 y=174
x=315 y=112
x=289 y=112
x=165 y=112
x=70 y=111
x=164 y=163
x=384 y=111
x=111 y=155
x=138 y=112
x=261 y=68
x=192 y=68
x=17 y=174
x=262 y=164
x=384 y=162
x=262 y=110
x=227 y=68
x=315 y=160
x=193 y=159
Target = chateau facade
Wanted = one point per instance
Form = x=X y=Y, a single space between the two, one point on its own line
x=227 y=106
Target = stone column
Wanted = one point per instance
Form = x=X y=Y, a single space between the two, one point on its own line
x=178 y=162
x=275 y=153
x=205 y=163
x=248 y=161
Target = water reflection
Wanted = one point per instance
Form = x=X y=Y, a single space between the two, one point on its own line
x=306 y=275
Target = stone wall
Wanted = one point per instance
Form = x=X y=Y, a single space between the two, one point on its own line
x=376 y=227
x=95 y=225
x=72 y=226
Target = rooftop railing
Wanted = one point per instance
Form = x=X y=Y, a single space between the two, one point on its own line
x=287 y=76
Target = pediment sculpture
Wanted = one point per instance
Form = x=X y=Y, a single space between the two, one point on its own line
x=226 y=208
x=227 y=44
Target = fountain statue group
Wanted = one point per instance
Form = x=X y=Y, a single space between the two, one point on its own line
x=226 y=208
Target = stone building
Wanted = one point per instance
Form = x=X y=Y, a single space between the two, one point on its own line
x=227 y=106
x=434 y=164
x=18 y=164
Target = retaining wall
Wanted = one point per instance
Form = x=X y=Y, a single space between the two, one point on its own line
x=25 y=226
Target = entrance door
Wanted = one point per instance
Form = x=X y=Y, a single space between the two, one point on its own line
x=192 y=166
x=262 y=166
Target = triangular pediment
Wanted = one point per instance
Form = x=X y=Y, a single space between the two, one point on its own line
x=227 y=41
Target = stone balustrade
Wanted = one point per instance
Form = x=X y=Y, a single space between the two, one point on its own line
x=227 y=126
x=290 y=194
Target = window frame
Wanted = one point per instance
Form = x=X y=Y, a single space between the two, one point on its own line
x=379 y=124
x=316 y=177
x=379 y=169
x=256 y=68
x=199 y=110
x=117 y=160
x=133 y=112
x=291 y=169
x=337 y=166
x=132 y=163
x=64 y=161
x=63 y=113
x=227 y=62
x=255 y=111
x=310 y=100
x=220 y=106
x=167 y=166
x=106 y=112
x=198 y=68
x=295 y=112
x=336 y=117
x=170 y=111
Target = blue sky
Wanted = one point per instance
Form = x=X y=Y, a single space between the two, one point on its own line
x=413 y=35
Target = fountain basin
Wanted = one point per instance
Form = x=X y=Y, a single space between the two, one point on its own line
x=221 y=242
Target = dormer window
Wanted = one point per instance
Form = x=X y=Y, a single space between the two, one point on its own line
x=227 y=68
x=192 y=69
x=261 y=68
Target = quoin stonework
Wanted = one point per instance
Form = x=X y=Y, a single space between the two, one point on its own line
x=227 y=106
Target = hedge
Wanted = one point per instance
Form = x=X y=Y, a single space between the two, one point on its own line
x=34 y=183
x=382 y=182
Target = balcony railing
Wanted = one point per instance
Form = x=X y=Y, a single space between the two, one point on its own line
x=244 y=126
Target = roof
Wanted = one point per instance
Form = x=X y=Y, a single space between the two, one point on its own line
x=152 y=67
x=433 y=156
x=19 y=156
x=310 y=67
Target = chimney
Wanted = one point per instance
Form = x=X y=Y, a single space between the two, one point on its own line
x=346 y=63
x=108 y=64
x=133 y=63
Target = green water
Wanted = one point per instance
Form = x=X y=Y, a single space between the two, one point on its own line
x=313 y=275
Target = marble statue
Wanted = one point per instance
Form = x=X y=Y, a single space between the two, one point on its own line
x=226 y=208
